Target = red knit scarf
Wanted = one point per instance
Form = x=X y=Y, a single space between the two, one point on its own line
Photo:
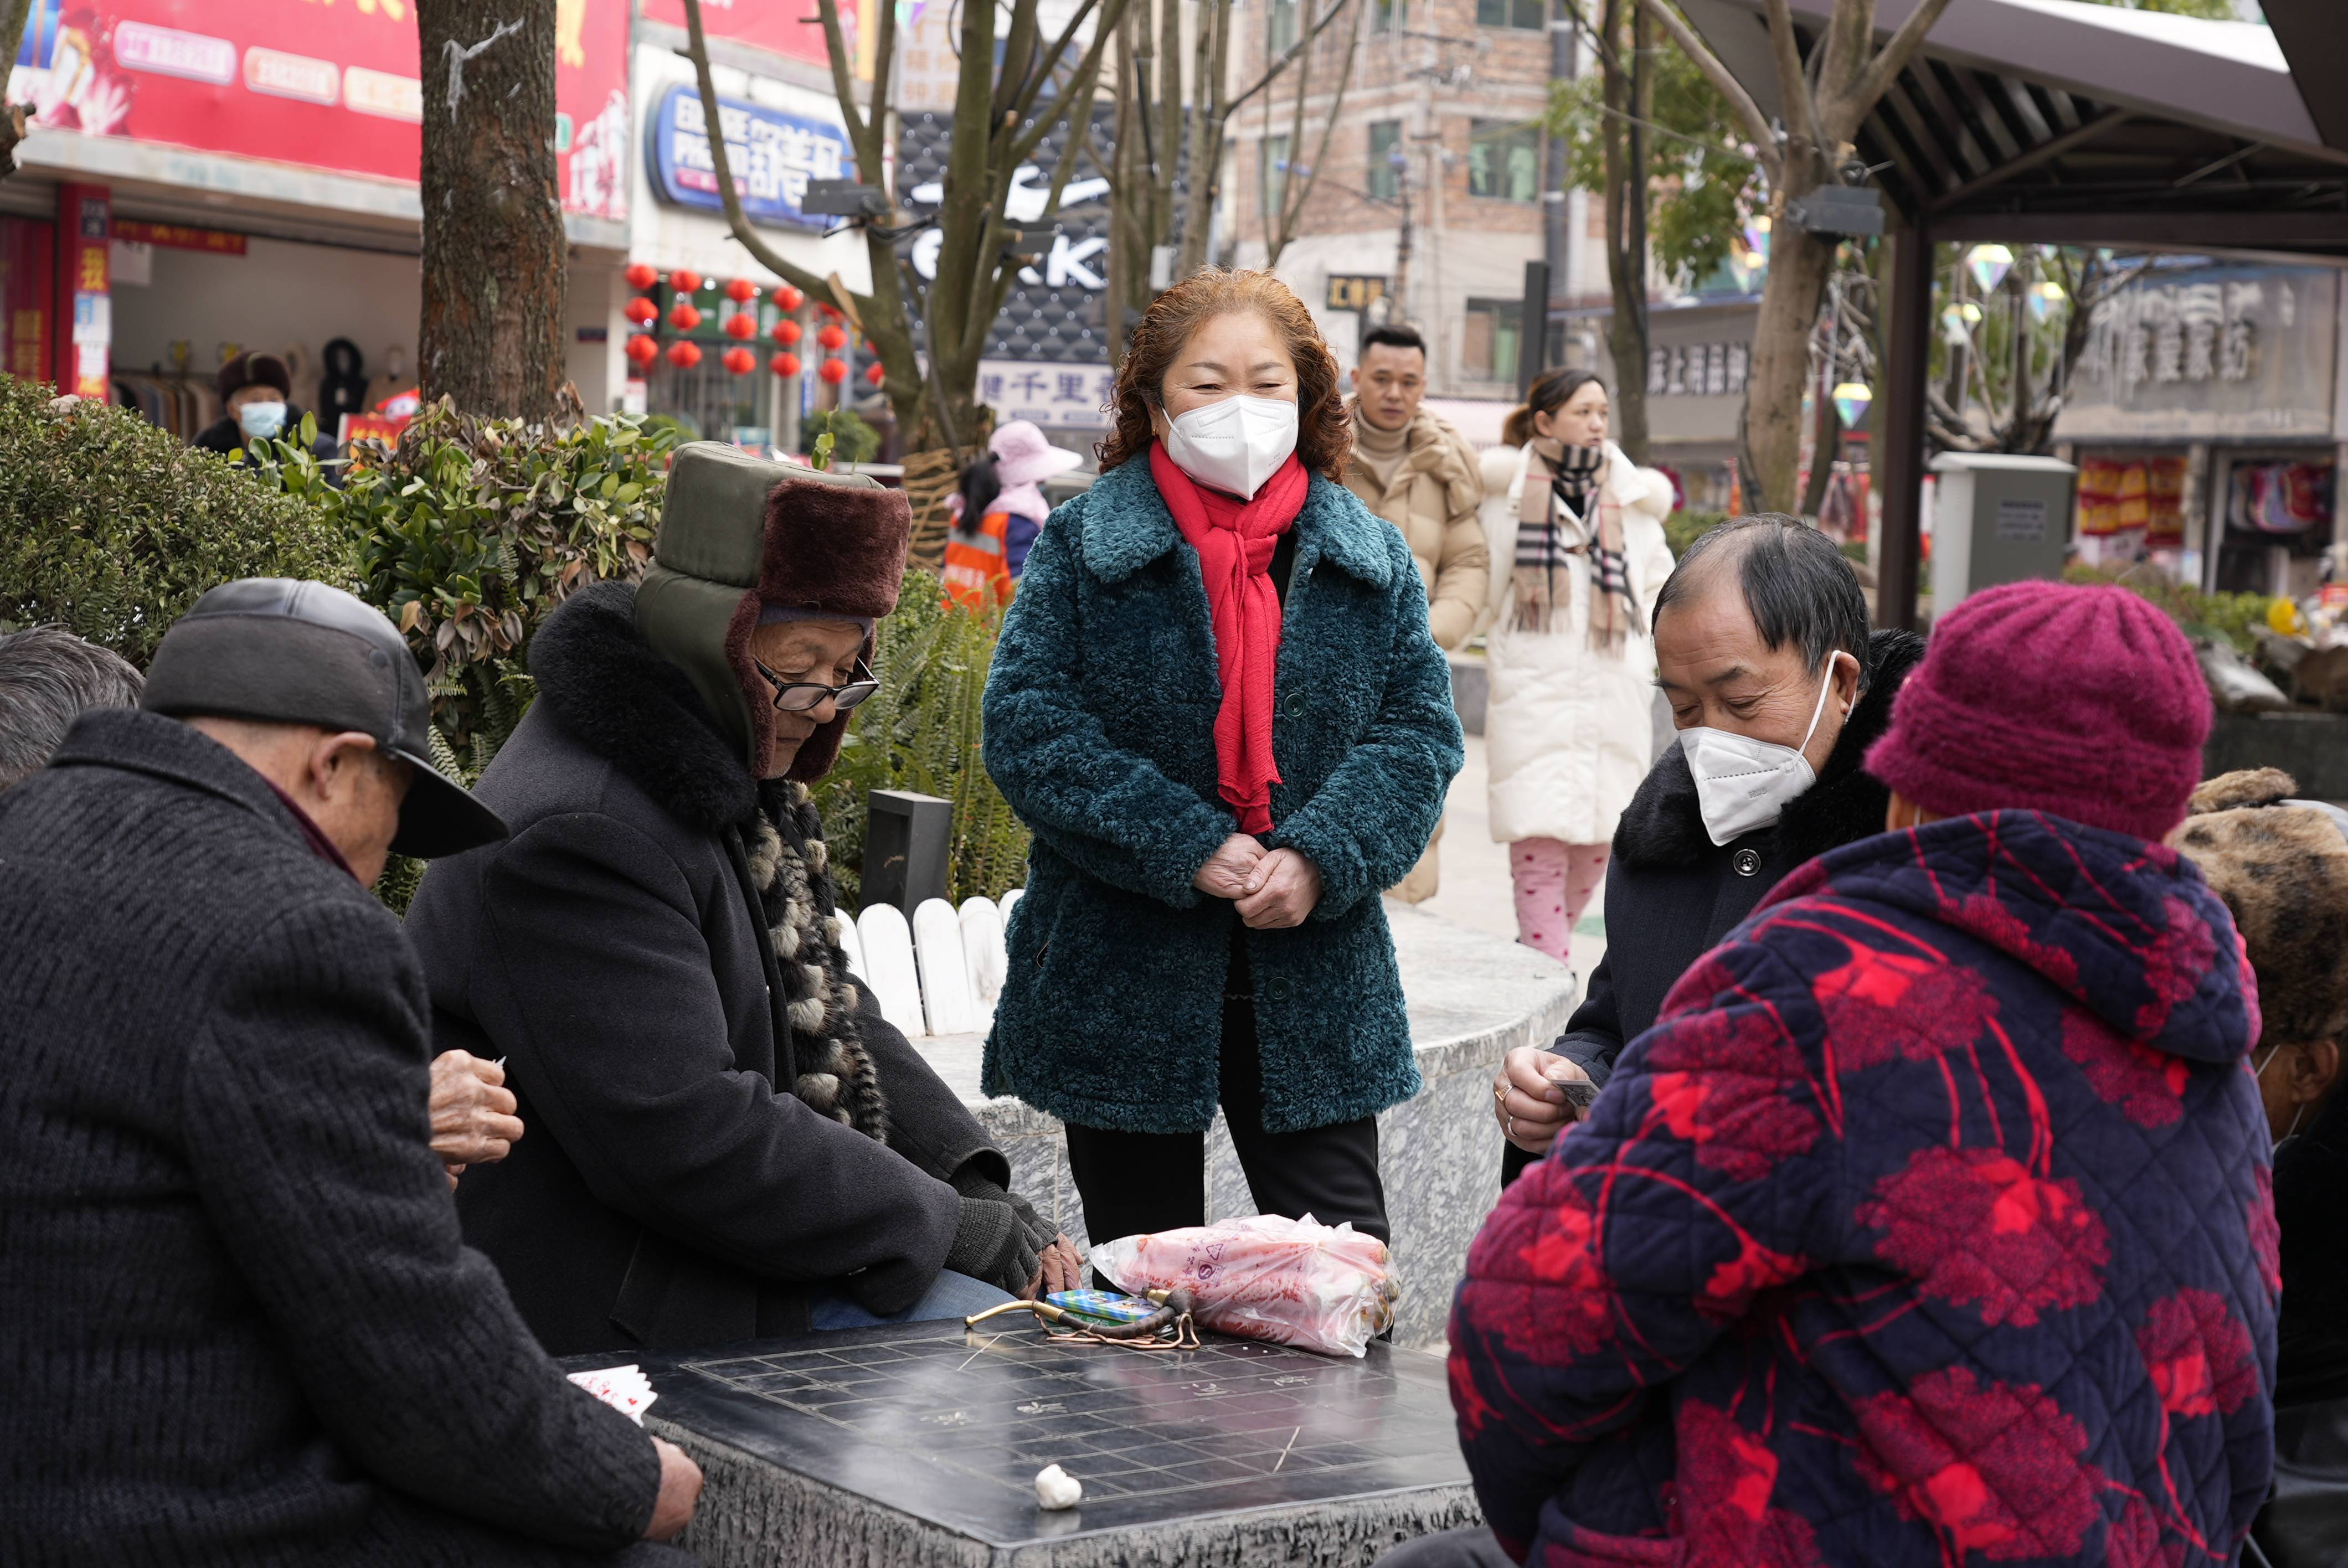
x=1235 y=539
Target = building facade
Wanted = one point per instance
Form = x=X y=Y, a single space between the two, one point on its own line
x=1429 y=195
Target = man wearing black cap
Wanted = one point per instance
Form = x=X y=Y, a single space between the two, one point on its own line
x=231 y=1281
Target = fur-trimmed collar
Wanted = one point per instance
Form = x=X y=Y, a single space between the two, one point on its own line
x=606 y=686
x=1663 y=826
x=1126 y=527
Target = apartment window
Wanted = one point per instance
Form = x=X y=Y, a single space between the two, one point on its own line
x=1283 y=26
x=1528 y=15
x=1385 y=160
x=1386 y=16
x=1504 y=160
x=1272 y=177
x=1489 y=341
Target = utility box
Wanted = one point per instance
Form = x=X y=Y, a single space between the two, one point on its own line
x=1998 y=518
x=905 y=840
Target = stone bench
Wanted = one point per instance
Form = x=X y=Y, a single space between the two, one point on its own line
x=1472 y=996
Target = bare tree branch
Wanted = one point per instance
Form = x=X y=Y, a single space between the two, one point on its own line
x=1079 y=94
x=1854 y=104
x=1792 y=81
x=737 y=220
x=843 y=85
x=1765 y=149
x=1295 y=214
x=1271 y=73
x=1024 y=99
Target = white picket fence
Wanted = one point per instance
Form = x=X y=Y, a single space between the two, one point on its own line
x=941 y=974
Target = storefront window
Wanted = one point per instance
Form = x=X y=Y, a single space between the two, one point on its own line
x=1271 y=183
x=1283 y=26
x=1504 y=160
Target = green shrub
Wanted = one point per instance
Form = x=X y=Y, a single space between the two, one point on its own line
x=2236 y=617
x=852 y=440
x=921 y=732
x=1682 y=528
x=113 y=527
x=470 y=531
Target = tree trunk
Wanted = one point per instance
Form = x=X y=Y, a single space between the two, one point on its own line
x=494 y=255
x=1628 y=83
x=1800 y=263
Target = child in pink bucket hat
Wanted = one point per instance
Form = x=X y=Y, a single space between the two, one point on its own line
x=998 y=511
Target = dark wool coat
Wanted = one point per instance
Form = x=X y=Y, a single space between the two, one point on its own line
x=1930 y=1226
x=238 y=1323
x=1100 y=714
x=672 y=1190
x=1672 y=894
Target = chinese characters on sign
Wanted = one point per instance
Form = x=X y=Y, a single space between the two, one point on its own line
x=1698 y=370
x=2202 y=351
x=1354 y=292
x=1065 y=397
x=772 y=156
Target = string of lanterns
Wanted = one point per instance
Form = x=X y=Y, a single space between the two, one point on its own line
x=643 y=349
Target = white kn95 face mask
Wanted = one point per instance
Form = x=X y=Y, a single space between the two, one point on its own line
x=1743 y=785
x=1234 y=444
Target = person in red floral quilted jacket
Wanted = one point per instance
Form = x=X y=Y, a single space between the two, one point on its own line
x=1932 y=1223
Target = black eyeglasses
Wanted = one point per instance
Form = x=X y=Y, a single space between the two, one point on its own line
x=800 y=696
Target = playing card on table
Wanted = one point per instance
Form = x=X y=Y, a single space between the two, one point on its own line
x=624 y=1388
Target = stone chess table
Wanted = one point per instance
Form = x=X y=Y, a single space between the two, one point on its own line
x=918 y=1445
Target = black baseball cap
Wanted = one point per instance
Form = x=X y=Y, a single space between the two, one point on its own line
x=274 y=649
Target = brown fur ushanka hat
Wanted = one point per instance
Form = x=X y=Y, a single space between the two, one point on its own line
x=738 y=533
x=2283 y=872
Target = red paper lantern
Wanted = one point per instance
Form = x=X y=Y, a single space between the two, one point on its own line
x=685 y=355
x=742 y=324
x=834 y=371
x=741 y=291
x=642 y=349
x=831 y=337
x=788 y=297
x=684 y=317
x=787 y=331
x=829 y=309
x=641 y=274
x=876 y=373
x=642 y=311
x=684 y=280
x=785 y=365
x=740 y=360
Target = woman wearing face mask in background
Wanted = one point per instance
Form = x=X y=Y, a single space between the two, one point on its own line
x=1578 y=557
x=1777 y=689
x=1218 y=706
x=2281 y=866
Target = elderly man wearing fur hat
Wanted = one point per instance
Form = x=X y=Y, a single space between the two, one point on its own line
x=2281 y=866
x=727 y=1140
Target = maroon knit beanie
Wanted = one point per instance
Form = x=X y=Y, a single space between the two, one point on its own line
x=2083 y=703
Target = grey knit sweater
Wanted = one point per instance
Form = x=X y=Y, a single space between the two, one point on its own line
x=238 y=1323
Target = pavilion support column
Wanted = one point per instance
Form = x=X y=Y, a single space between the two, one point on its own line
x=1899 y=426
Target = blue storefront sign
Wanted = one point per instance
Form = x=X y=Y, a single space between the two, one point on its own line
x=772 y=156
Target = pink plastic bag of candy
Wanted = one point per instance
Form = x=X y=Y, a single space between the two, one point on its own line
x=1293 y=1282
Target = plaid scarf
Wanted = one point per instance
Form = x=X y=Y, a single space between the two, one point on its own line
x=1561 y=479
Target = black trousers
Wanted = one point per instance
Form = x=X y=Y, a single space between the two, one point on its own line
x=1134 y=1183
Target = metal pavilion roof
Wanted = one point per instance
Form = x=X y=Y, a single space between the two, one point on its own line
x=2051 y=120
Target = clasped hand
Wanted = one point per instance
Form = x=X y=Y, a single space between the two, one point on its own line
x=1272 y=888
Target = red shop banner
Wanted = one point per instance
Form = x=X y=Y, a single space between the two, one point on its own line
x=328 y=84
x=787 y=27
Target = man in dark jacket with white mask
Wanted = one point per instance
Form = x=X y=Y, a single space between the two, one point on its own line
x=238 y=1320
x=1777 y=690
x=726 y=1140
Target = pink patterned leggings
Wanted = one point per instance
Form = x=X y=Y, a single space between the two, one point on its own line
x=1554 y=882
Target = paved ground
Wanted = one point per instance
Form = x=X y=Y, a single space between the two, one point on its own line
x=1475 y=889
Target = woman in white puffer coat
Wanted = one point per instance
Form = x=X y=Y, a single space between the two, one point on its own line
x=1568 y=727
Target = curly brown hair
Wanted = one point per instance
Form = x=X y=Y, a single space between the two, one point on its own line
x=1324 y=430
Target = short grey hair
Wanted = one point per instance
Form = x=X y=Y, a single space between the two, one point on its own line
x=48 y=676
x=1798 y=584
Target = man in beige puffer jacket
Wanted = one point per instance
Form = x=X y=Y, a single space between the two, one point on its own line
x=1416 y=472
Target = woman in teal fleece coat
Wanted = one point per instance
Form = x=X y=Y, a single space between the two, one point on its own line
x=1137 y=998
